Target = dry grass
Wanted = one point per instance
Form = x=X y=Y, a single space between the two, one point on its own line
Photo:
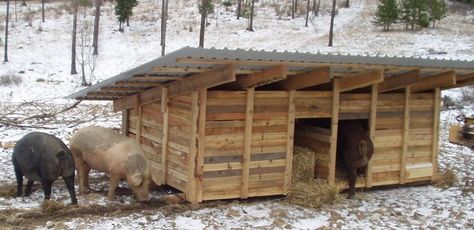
x=51 y=206
x=7 y=191
x=305 y=190
x=314 y=194
x=303 y=165
x=448 y=179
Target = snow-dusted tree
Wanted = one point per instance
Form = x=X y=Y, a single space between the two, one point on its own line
x=74 y=29
x=5 y=55
x=251 y=16
x=438 y=10
x=387 y=13
x=95 y=42
x=123 y=10
x=307 y=14
x=414 y=13
x=347 y=4
x=331 y=26
x=85 y=58
x=239 y=9
x=293 y=9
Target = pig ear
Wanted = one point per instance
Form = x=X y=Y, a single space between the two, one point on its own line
x=61 y=155
x=136 y=180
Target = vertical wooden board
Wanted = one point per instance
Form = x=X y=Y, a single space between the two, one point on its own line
x=289 y=140
x=406 y=127
x=201 y=143
x=125 y=121
x=191 y=186
x=436 y=114
x=334 y=127
x=164 y=141
x=139 y=123
x=372 y=119
x=244 y=189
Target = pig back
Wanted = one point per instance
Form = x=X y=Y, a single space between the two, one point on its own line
x=108 y=151
x=44 y=152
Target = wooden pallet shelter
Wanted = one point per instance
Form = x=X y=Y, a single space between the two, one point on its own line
x=220 y=124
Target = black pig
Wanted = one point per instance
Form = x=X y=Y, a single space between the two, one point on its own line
x=354 y=150
x=43 y=157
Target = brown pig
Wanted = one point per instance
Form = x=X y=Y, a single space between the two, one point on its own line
x=354 y=150
x=108 y=151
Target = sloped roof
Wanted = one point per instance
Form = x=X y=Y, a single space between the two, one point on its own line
x=189 y=61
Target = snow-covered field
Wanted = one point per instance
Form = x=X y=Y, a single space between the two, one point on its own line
x=39 y=53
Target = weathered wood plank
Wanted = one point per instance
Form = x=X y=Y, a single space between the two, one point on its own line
x=303 y=80
x=436 y=114
x=247 y=143
x=444 y=79
x=361 y=80
x=399 y=81
x=406 y=128
x=334 y=127
x=289 y=140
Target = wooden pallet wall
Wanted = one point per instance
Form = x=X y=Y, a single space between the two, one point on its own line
x=231 y=169
x=317 y=139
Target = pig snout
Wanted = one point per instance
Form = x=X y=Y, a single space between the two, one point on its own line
x=139 y=185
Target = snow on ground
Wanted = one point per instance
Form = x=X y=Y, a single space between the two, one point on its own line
x=40 y=54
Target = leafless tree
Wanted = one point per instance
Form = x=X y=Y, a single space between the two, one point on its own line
x=239 y=9
x=95 y=42
x=331 y=26
x=307 y=14
x=164 y=19
x=293 y=8
x=5 y=56
x=42 y=9
x=251 y=16
x=85 y=57
x=203 y=23
x=74 y=29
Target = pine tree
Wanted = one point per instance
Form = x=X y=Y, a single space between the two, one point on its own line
x=387 y=13
x=123 y=10
x=414 y=13
x=438 y=10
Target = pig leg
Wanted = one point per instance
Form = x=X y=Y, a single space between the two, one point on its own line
x=69 y=181
x=46 y=188
x=19 y=179
x=83 y=175
x=113 y=183
x=29 y=185
x=352 y=181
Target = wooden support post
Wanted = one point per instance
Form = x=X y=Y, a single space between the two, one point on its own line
x=406 y=128
x=244 y=188
x=199 y=173
x=334 y=126
x=436 y=111
x=138 y=110
x=290 y=140
x=191 y=185
x=125 y=121
x=164 y=139
x=372 y=120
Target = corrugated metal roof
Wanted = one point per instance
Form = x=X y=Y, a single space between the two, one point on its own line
x=170 y=60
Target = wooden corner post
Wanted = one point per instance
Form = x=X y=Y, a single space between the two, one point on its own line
x=436 y=111
x=290 y=140
x=138 y=110
x=191 y=185
x=201 y=144
x=125 y=121
x=244 y=186
x=372 y=122
x=406 y=128
x=164 y=139
x=334 y=126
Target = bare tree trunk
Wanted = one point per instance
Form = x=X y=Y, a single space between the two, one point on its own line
x=16 y=15
x=128 y=21
x=95 y=42
x=164 y=18
x=296 y=6
x=307 y=14
x=42 y=10
x=5 y=57
x=293 y=9
x=203 y=23
x=331 y=27
x=347 y=4
x=251 y=16
x=74 y=29
x=23 y=3
x=239 y=9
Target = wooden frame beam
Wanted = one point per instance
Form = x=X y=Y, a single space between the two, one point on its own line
x=372 y=124
x=399 y=81
x=303 y=80
x=290 y=137
x=125 y=90
x=107 y=94
x=444 y=79
x=334 y=127
x=164 y=139
x=361 y=80
x=147 y=77
x=244 y=188
x=267 y=76
x=214 y=77
x=462 y=80
x=138 y=84
x=435 y=142
x=406 y=128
